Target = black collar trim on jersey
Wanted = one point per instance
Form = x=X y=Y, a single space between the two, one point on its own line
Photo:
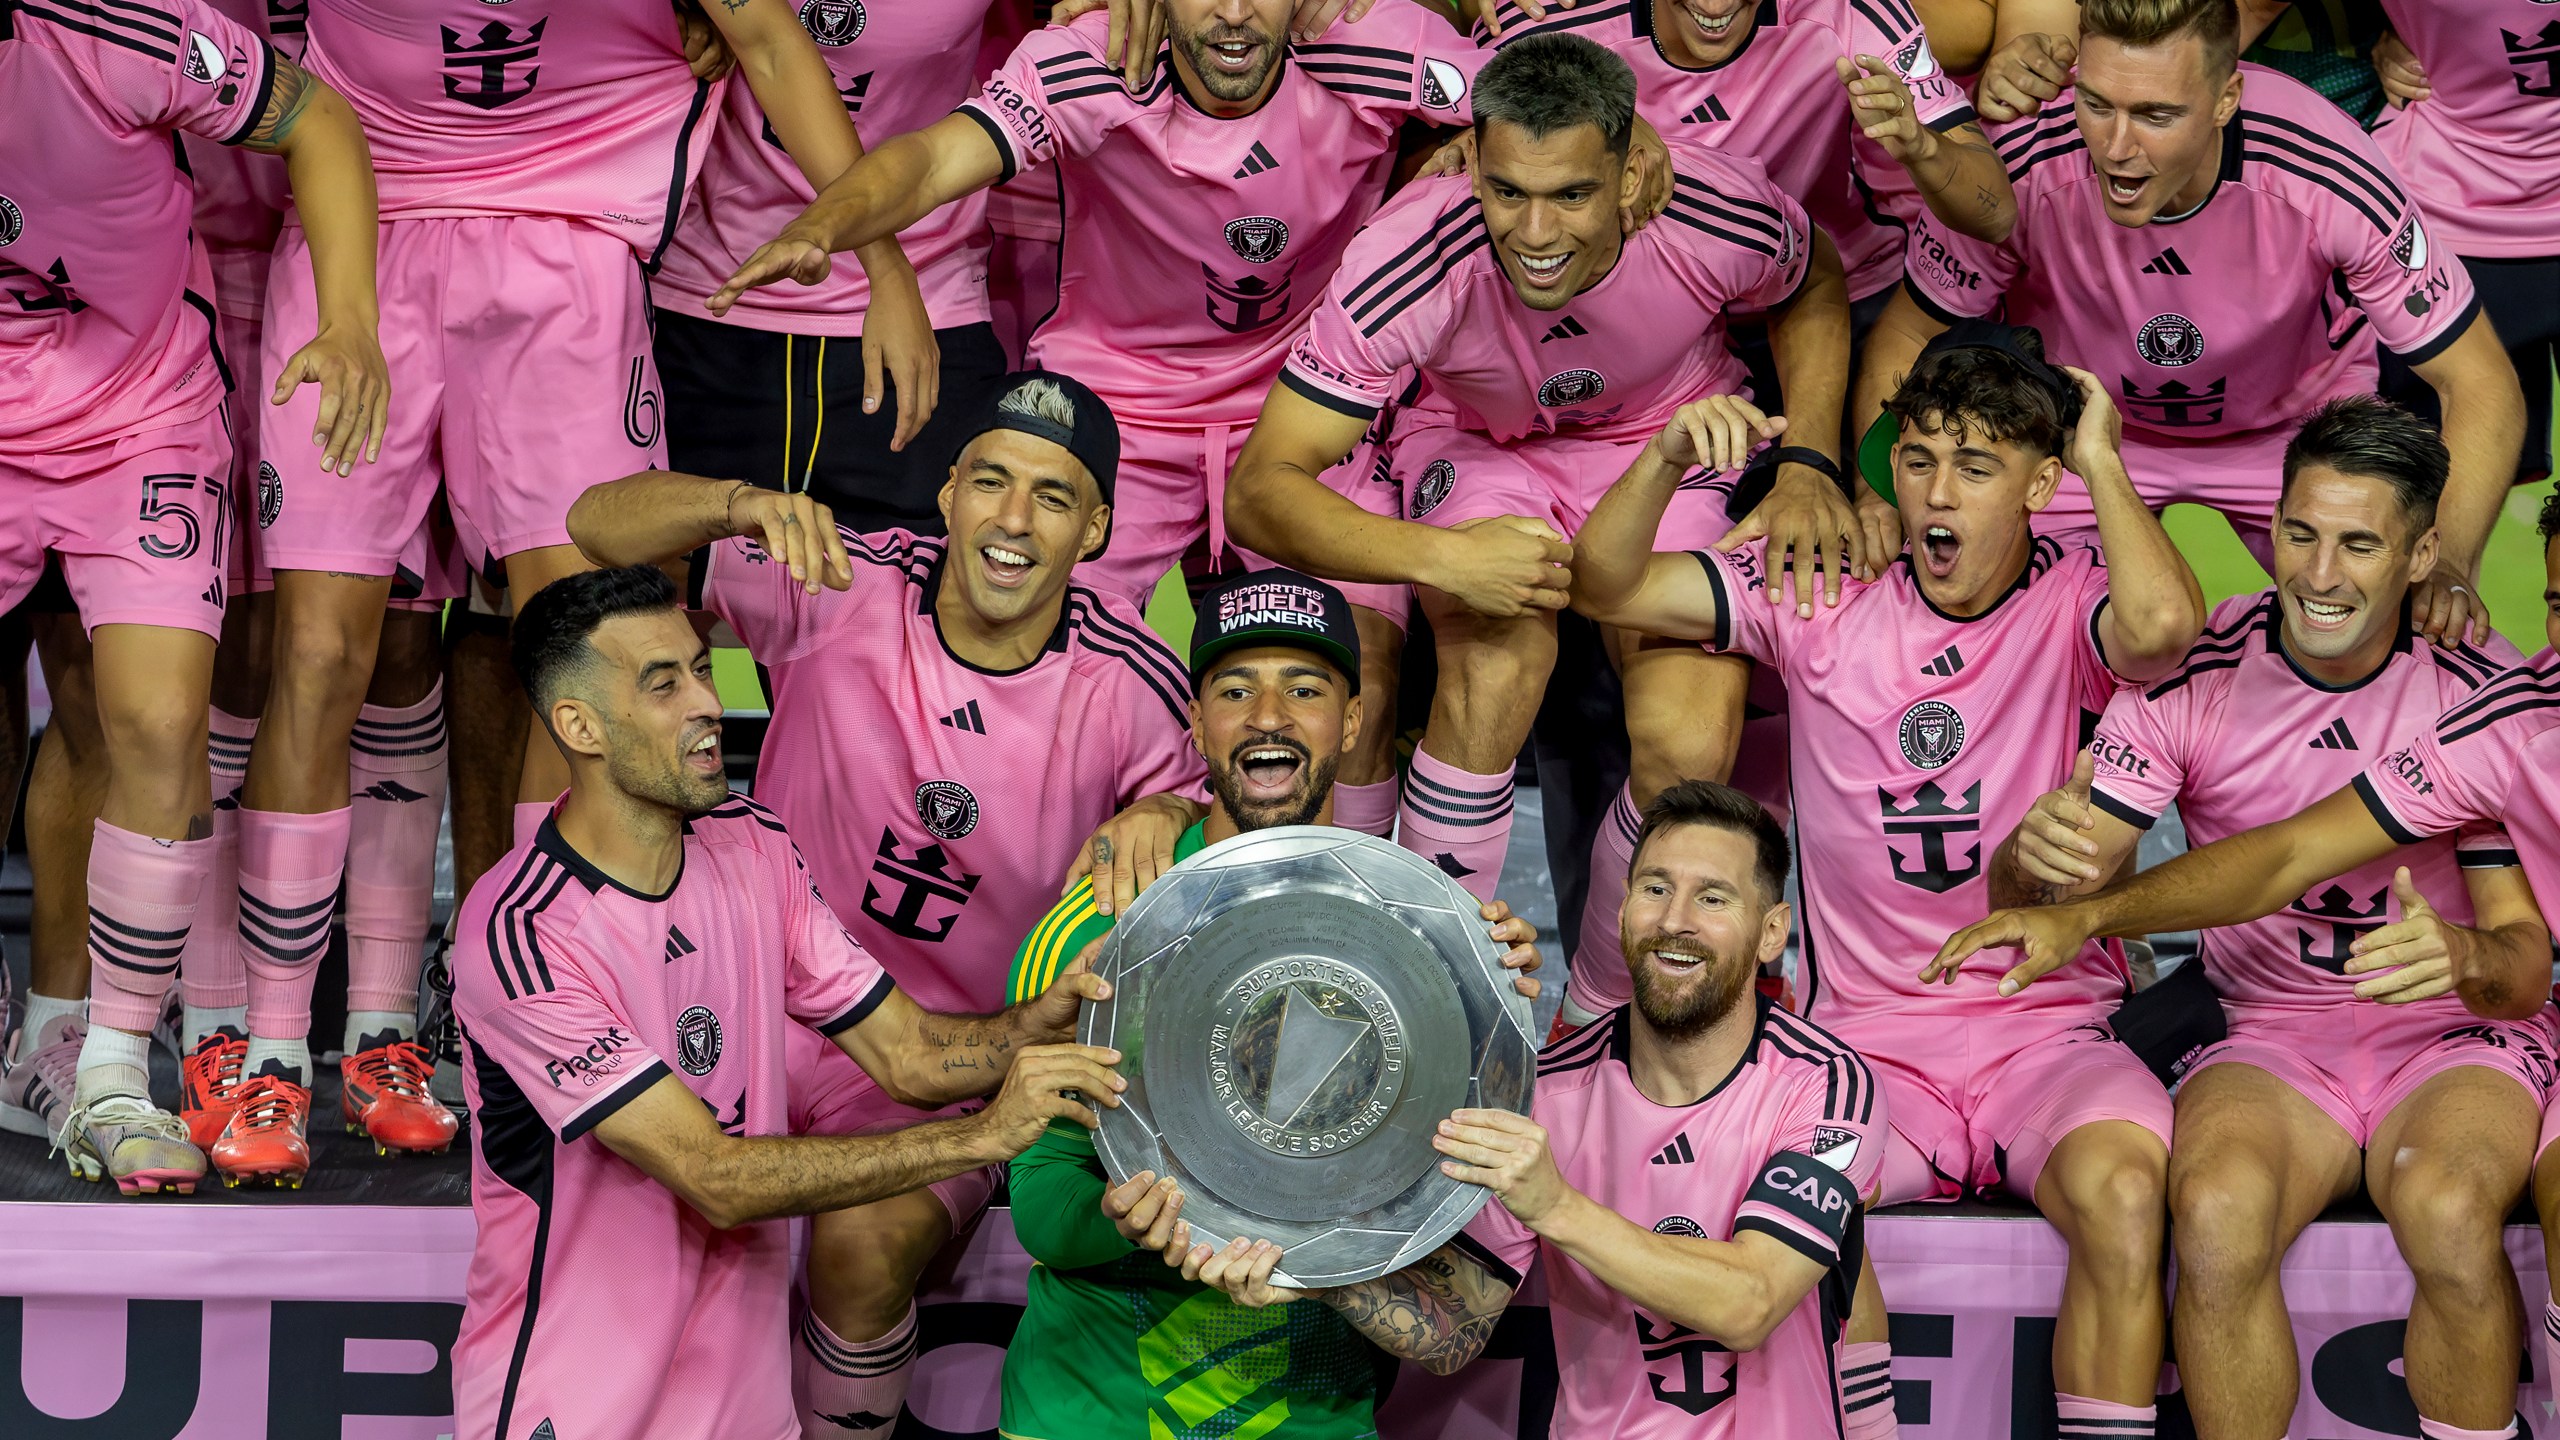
x=2041 y=556
x=2400 y=645
x=1620 y=1044
x=1056 y=644
x=2230 y=171
x=551 y=842
x=1641 y=13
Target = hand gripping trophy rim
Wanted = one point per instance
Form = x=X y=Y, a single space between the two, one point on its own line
x=1322 y=1000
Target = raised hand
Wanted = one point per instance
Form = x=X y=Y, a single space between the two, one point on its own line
x=1050 y=1082
x=2097 y=442
x=1052 y=1014
x=1507 y=1154
x=1242 y=1270
x=1147 y=1211
x=2415 y=957
x=2055 y=845
x=1131 y=849
x=1717 y=433
x=1519 y=937
x=796 y=531
x=2023 y=75
x=1880 y=105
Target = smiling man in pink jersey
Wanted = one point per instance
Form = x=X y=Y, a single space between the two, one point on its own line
x=626 y=983
x=1210 y=211
x=949 y=725
x=1929 y=710
x=114 y=455
x=530 y=165
x=1633 y=1177
x=2337 y=1071
x=1548 y=347
x=2227 y=249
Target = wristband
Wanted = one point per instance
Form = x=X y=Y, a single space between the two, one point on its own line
x=1815 y=460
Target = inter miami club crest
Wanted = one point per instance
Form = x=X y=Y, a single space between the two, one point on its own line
x=1681 y=1226
x=1932 y=734
x=1914 y=60
x=1432 y=488
x=270 y=495
x=13 y=221
x=832 y=22
x=1571 y=388
x=1443 y=84
x=2409 y=247
x=1258 y=239
x=2170 y=340
x=947 y=808
x=697 y=1040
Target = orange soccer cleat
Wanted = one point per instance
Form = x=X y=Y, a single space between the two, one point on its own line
x=268 y=1138
x=386 y=1097
x=209 y=1085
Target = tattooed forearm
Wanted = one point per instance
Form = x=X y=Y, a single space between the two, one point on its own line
x=286 y=100
x=1437 y=1313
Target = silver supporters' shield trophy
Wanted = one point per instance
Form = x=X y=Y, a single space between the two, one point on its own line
x=1297 y=1009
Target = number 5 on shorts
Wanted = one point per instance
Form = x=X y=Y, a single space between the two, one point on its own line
x=156 y=509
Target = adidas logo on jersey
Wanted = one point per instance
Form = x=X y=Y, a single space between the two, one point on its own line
x=1677 y=1152
x=1566 y=329
x=2167 y=263
x=1945 y=665
x=542 y=1431
x=1256 y=161
x=678 y=946
x=1708 y=111
x=391 y=792
x=2335 y=737
x=965 y=718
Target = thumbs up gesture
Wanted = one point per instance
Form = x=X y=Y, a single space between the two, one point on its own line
x=2057 y=843
x=2413 y=957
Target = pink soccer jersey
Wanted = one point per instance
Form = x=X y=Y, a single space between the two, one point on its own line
x=577 y=109
x=241 y=194
x=598 y=1303
x=1916 y=741
x=2481 y=155
x=1786 y=1147
x=106 y=301
x=2493 y=759
x=2232 y=320
x=940 y=804
x=1421 y=288
x=2241 y=737
x=900 y=67
x=1199 y=245
x=1779 y=101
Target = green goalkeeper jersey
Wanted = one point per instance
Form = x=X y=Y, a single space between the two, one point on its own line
x=1116 y=1345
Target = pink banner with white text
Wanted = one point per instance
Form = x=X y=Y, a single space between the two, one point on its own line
x=213 y=1322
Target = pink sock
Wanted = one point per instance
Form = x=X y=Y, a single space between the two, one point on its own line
x=2551 y=1343
x=529 y=818
x=848 y=1388
x=289 y=871
x=2438 y=1430
x=1866 y=1391
x=2086 y=1419
x=396 y=773
x=143 y=895
x=1457 y=821
x=211 y=975
x=1599 y=969
x=1369 y=809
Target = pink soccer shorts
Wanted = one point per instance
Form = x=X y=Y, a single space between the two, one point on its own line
x=1979 y=1102
x=2357 y=1060
x=830 y=1095
x=1448 y=476
x=141 y=527
x=520 y=375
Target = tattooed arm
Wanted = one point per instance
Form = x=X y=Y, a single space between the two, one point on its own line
x=1436 y=1312
x=316 y=132
x=927 y=1059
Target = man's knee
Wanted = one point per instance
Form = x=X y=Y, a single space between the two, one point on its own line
x=2111 y=1193
x=2226 y=1221
x=324 y=655
x=2450 y=1220
x=864 y=1263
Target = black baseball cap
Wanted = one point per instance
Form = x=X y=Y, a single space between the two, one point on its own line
x=1875 y=448
x=1275 y=607
x=1094 y=438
